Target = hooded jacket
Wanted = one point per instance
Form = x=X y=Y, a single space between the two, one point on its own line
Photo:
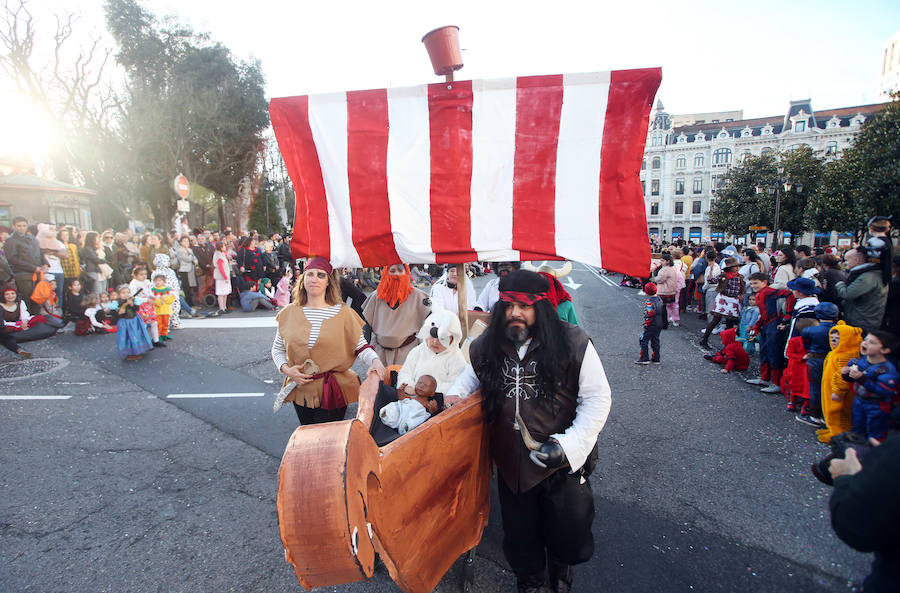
x=732 y=354
x=864 y=295
x=837 y=413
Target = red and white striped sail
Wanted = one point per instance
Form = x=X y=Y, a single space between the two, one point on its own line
x=528 y=168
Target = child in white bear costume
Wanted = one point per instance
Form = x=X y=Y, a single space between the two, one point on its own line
x=438 y=355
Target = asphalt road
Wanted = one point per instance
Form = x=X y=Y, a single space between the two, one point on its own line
x=133 y=483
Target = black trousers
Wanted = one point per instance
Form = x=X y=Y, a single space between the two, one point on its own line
x=650 y=336
x=7 y=340
x=318 y=415
x=186 y=287
x=552 y=520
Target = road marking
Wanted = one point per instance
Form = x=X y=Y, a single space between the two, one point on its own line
x=213 y=395
x=601 y=276
x=228 y=323
x=34 y=397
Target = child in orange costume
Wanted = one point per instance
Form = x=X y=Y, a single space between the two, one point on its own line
x=837 y=394
x=794 y=381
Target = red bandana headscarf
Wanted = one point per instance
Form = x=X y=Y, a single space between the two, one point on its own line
x=394 y=290
x=557 y=293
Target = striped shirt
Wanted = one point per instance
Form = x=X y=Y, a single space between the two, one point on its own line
x=316 y=318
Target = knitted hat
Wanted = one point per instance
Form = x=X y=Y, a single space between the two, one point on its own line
x=650 y=288
x=827 y=311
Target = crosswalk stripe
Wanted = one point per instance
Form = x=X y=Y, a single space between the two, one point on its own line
x=33 y=397
x=228 y=323
x=213 y=395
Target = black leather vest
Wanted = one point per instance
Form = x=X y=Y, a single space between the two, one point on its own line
x=520 y=387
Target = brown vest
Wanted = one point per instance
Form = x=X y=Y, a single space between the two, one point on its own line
x=521 y=380
x=334 y=350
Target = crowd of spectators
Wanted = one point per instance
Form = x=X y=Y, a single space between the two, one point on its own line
x=204 y=268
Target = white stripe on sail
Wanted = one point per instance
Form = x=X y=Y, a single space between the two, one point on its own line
x=585 y=97
x=409 y=173
x=493 y=159
x=328 y=122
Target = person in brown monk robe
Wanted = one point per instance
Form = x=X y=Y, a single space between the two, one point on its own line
x=395 y=313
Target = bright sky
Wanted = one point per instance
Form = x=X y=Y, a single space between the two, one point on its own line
x=715 y=55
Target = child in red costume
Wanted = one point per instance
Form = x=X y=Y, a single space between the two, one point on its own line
x=794 y=379
x=732 y=355
x=794 y=382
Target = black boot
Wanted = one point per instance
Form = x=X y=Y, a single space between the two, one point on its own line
x=532 y=584
x=560 y=577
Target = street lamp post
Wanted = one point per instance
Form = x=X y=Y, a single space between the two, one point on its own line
x=774 y=187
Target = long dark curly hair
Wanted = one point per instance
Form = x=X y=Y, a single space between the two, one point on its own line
x=551 y=357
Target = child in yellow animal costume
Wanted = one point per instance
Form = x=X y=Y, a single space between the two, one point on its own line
x=837 y=394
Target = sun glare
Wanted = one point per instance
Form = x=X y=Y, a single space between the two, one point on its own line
x=26 y=132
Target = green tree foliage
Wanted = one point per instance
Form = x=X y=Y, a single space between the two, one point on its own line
x=192 y=108
x=865 y=181
x=258 y=217
x=738 y=206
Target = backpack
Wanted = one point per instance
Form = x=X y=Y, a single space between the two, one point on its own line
x=42 y=290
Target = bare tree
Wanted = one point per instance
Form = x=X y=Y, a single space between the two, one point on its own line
x=69 y=88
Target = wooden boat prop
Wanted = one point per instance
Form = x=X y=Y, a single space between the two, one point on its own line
x=419 y=502
x=399 y=175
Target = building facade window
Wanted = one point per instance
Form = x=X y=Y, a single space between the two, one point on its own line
x=643 y=164
x=722 y=156
x=656 y=163
x=680 y=162
x=5 y=219
x=766 y=150
x=679 y=187
x=698 y=161
x=831 y=149
x=679 y=207
x=643 y=187
x=67 y=216
x=654 y=208
x=677 y=231
x=799 y=126
x=654 y=187
x=698 y=185
x=695 y=207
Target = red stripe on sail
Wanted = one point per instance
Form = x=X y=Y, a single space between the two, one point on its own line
x=367 y=145
x=624 y=243
x=450 y=123
x=290 y=120
x=538 y=107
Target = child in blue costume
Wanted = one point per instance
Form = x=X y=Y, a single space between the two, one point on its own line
x=132 y=335
x=749 y=317
x=815 y=341
x=874 y=380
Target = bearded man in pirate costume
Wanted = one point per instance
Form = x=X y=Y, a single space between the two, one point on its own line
x=395 y=312
x=542 y=383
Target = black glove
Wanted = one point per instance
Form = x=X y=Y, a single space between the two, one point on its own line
x=550 y=454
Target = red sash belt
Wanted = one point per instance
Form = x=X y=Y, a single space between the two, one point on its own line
x=332 y=395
